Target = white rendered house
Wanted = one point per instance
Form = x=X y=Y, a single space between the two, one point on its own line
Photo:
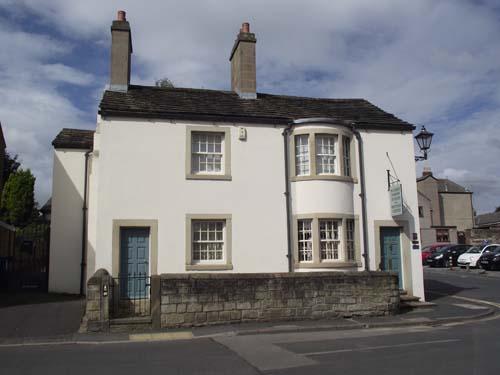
x=177 y=180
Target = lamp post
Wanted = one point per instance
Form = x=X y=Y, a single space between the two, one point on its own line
x=424 y=140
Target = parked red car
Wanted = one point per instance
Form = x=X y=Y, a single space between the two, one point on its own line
x=431 y=249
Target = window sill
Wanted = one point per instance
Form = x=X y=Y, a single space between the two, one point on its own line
x=208 y=267
x=328 y=265
x=222 y=177
x=325 y=177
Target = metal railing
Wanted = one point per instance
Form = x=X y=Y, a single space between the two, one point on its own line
x=130 y=296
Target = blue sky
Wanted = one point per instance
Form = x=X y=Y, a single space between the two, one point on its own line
x=430 y=62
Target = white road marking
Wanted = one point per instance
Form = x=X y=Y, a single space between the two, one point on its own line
x=380 y=347
x=469 y=306
x=484 y=302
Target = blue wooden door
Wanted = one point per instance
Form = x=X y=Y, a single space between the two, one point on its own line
x=134 y=262
x=390 y=244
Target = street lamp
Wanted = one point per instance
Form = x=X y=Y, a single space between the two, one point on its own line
x=424 y=139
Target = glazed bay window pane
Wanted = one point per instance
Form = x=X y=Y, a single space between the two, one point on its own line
x=329 y=239
x=208 y=240
x=350 y=239
x=302 y=155
x=305 y=243
x=325 y=154
x=347 y=155
x=206 y=152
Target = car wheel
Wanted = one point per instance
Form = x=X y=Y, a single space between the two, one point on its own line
x=446 y=263
x=462 y=267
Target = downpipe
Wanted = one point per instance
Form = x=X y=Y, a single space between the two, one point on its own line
x=83 y=263
x=362 y=195
x=288 y=198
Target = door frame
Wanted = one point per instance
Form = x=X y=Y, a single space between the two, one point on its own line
x=404 y=229
x=153 y=243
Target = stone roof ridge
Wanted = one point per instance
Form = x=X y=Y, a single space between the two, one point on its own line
x=195 y=89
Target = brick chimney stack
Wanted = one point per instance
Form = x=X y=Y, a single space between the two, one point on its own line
x=121 y=49
x=243 y=67
x=427 y=172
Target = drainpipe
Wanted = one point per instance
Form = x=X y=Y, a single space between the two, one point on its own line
x=362 y=195
x=286 y=133
x=83 y=263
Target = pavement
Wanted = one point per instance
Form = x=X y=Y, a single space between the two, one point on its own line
x=30 y=315
x=56 y=321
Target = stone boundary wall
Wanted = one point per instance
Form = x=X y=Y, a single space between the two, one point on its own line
x=189 y=300
x=477 y=236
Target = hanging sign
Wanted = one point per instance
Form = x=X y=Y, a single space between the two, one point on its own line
x=396 y=200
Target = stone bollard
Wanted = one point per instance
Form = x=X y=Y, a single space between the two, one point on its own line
x=98 y=300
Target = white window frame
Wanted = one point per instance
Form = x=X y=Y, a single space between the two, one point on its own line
x=350 y=242
x=328 y=141
x=208 y=241
x=346 y=157
x=197 y=152
x=333 y=240
x=302 y=155
x=305 y=246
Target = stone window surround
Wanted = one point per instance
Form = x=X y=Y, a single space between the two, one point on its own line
x=227 y=264
x=317 y=262
x=226 y=155
x=153 y=243
x=311 y=132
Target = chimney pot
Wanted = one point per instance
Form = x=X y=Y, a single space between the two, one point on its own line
x=427 y=171
x=121 y=16
x=245 y=27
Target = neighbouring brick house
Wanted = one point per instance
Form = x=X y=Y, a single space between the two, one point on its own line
x=444 y=208
x=189 y=181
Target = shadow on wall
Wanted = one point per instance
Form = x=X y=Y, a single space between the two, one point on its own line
x=67 y=226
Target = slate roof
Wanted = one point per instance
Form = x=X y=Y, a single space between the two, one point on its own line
x=446 y=186
x=215 y=105
x=488 y=219
x=74 y=138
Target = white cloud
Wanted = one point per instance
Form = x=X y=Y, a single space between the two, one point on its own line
x=32 y=109
x=66 y=74
x=428 y=61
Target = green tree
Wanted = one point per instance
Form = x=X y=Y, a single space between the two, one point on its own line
x=18 y=204
x=497 y=209
x=164 y=83
x=10 y=165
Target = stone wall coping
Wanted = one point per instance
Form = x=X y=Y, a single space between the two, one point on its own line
x=282 y=275
x=97 y=277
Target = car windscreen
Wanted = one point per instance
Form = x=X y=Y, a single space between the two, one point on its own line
x=474 y=250
x=495 y=250
x=426 y=249
x=443 y=249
